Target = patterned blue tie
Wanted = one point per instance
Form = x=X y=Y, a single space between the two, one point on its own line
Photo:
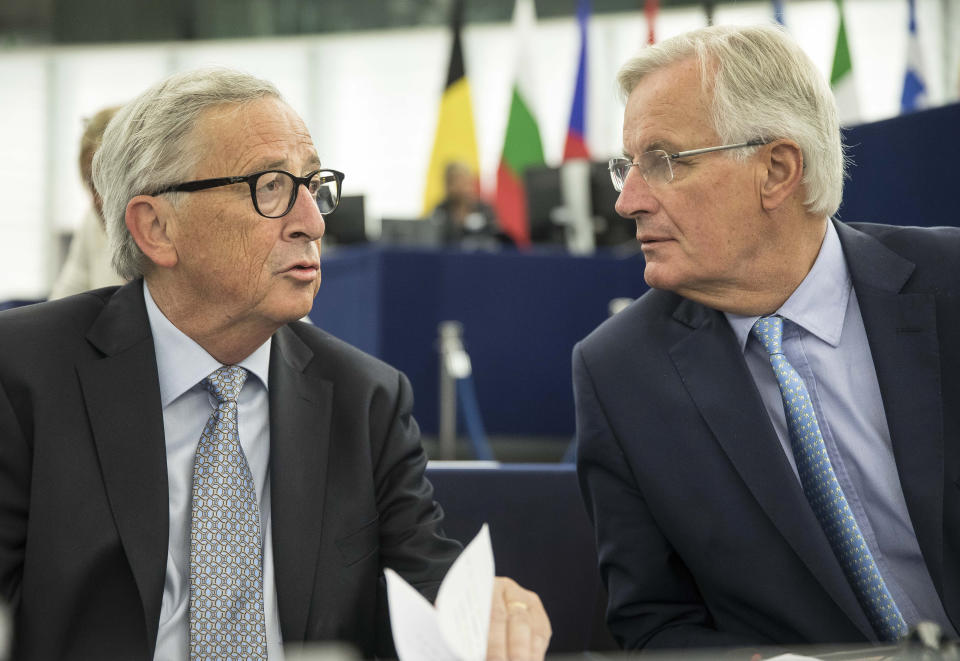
x=824 y=493
x=226 y=574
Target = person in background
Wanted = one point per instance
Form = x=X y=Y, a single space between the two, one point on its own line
x=462 y=218
x=87 y=265
x=187 y=470
x=769 y=438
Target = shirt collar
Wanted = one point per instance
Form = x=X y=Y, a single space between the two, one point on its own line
x=819 y=303
x=182 y=363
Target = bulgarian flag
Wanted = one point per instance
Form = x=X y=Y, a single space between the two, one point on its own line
x=576 y=145
x=455 y=140
x=841 y=76
x=521 y=145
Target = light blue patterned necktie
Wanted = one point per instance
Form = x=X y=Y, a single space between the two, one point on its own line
x=226 y=569
x=823 y=490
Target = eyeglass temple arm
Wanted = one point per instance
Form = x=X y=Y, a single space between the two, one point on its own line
x=693 y=152
x=202 y=184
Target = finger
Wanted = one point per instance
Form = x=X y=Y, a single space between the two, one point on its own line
x=497 y=636
x=541 y=630
x=539 y=623
x=519 y=631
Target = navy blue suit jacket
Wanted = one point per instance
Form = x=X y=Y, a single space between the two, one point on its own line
x=704 y=535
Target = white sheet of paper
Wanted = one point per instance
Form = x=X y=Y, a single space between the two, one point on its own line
x=465 y=597
x=416 y=632
x=457 y=628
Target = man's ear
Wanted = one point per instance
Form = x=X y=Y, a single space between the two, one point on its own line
x=783 y=160
x=146 y=219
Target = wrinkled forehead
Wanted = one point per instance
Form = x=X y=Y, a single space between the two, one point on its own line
x=668 y=109
x=240 y=138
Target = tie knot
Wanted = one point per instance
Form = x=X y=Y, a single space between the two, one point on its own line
x=769 y=330
x=225 y=383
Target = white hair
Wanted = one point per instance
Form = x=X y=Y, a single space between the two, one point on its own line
x=763 y=86
x=150 y=143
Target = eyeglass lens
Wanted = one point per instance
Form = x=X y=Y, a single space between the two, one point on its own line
x=654 y=167
x=276 y=192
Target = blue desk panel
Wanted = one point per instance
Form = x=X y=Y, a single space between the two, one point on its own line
x=904 y=169
x=522 y=314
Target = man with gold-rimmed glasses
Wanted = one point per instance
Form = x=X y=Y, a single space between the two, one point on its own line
x=768 y=439
x=186 y=470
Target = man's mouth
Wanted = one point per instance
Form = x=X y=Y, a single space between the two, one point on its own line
x=305 y=271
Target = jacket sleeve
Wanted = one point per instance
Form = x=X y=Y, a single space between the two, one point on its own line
x=15 y=460
x=412 y=541
x=653 y=598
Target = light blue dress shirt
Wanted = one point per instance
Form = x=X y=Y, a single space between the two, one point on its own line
x=182 y=364
x=825 y=341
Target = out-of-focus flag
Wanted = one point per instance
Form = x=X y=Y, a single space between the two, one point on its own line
x=650 y=9
x=914 y=95
x=778 y=12
x=576 y=144
x=455 y=139
x=841 y=75
x=522 y=147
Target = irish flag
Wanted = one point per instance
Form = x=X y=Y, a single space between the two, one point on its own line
x=521 y=145
x=455 y=139
x=841 y=76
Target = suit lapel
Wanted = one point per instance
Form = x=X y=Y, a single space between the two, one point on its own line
x=717 y=379
x=902 y=333
x=300 y=418
x=122 y=395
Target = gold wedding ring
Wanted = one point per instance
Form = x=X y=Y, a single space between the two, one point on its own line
x=517 y=604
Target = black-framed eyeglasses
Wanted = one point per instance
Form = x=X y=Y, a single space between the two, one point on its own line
x=274 y=192
x=656 y=166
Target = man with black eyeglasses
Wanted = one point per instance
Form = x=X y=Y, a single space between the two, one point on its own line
x=768 y=439
x=187 y=471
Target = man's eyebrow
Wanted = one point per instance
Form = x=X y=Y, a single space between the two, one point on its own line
x=278 y=164
x=652 y=146
x=282 y=164
x=662 y=145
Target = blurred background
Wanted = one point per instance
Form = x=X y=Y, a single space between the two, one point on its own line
x=368 y=75
x=478 y=296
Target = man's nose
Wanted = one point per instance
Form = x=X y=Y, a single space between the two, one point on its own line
x=305 y=219
x=636 y=197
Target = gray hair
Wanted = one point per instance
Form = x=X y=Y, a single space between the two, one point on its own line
x=150 y=144
x=764 y=86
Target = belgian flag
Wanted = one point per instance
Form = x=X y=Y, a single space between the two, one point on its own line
x=455 y=140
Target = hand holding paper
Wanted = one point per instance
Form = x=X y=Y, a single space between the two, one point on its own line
x=519 y=628
x=470 y=605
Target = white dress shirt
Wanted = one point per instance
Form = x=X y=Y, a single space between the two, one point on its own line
x=182 y=364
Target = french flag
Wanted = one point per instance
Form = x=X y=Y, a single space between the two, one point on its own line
x=576 y=145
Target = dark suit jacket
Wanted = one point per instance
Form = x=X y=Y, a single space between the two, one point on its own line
x=83 y=486
x=704 y=535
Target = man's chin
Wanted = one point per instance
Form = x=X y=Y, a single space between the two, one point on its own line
x=657 y=277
